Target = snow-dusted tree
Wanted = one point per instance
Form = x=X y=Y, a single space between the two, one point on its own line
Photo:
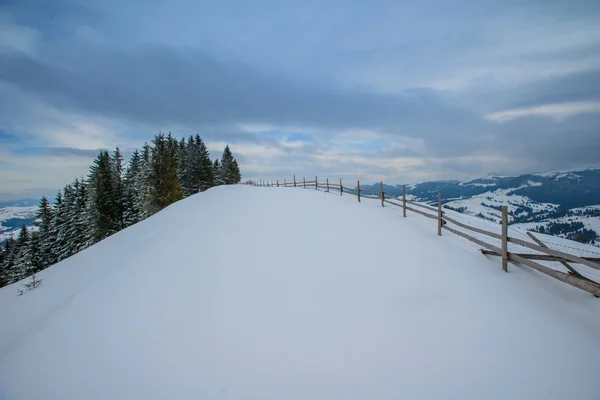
x=164 y=180
x=103 y=204
x=45 y=214
x=19 y=269
x=218 y=178
x=235 y=172
x=206 y=175
x=229 y=170
x=35 y=260
x=143 y=182
x=132 y=188
x=8 y=255
x=185 y=167
x=56 y=239
x=118 y=190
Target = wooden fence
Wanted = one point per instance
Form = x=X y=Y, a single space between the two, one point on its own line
x=444 y=222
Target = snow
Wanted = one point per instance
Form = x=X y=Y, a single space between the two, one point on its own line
x=14 y=212
x=7 y=213
x=498 y=198
x=282 y=293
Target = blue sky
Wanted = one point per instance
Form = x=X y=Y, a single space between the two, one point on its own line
x=392 y=90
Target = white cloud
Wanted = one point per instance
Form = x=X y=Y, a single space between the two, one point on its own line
x=557 y=111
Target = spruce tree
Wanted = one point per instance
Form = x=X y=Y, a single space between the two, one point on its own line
x=35 y=259
x=236 y=174
x=206 y=166
x=164 y=180
x=132 y=189
x=45 y=215
x=229 y=170
x=218 y=173
x=20 y=266
x=143 y=183
x=104 y=205
x=185 y=167
x=8 y=260
x=118 y=191
x=56 y=241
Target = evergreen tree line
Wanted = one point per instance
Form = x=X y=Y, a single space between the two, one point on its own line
x=113 y=197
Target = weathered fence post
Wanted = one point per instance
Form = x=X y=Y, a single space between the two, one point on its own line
x=382 y=194
x=284 y=183
x=439 y=213
x=327 y=185
x=316 y=186
x=358 y=190
x=294 y=180
x=304 y=182
x=505 y=238
x=341 y=188
x=404 y=201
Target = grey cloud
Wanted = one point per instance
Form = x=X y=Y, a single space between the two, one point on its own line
x=69 y=151
x=163 y=86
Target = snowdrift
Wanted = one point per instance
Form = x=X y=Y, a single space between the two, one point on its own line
x=270 y=293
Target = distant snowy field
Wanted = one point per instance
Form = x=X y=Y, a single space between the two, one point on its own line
x=14 y=213
x=281 y=293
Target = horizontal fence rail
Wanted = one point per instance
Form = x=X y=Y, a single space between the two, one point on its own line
x=573 y=277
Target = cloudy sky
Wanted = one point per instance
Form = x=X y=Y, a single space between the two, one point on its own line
x=402 y=91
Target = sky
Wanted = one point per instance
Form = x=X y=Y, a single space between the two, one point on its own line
x=399 y=91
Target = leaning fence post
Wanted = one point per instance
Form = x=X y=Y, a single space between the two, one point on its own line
x=358 y=191
x=316 y=187
x=404 y=200
x=294 y=180
x=505 y=238
x=327 y=185
x=341 y=188
x=382 y=195
x=439 y=213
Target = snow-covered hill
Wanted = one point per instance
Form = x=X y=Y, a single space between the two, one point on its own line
x=271 y=293
x=563 y=203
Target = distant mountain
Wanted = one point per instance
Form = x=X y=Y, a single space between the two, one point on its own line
x=14 y=214
x=565 y=204
x=20 y=203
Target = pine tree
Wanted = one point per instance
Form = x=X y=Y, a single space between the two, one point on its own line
x=118 y=191
x=164 y=180
x=132 y=189
x=56 y=241
x=229 y=170
x=104 y=205
x=218 y=173
x=20 y=267
x=7 y=261
x=35 y=259
x=69 y=228
x=143 y=197
x=83 y=238
x=45 y=214
x=206 y=166
x=236 y=174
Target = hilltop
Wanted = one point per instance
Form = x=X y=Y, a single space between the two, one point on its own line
x=242 y=292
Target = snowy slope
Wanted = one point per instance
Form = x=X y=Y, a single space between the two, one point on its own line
x=273 y=293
